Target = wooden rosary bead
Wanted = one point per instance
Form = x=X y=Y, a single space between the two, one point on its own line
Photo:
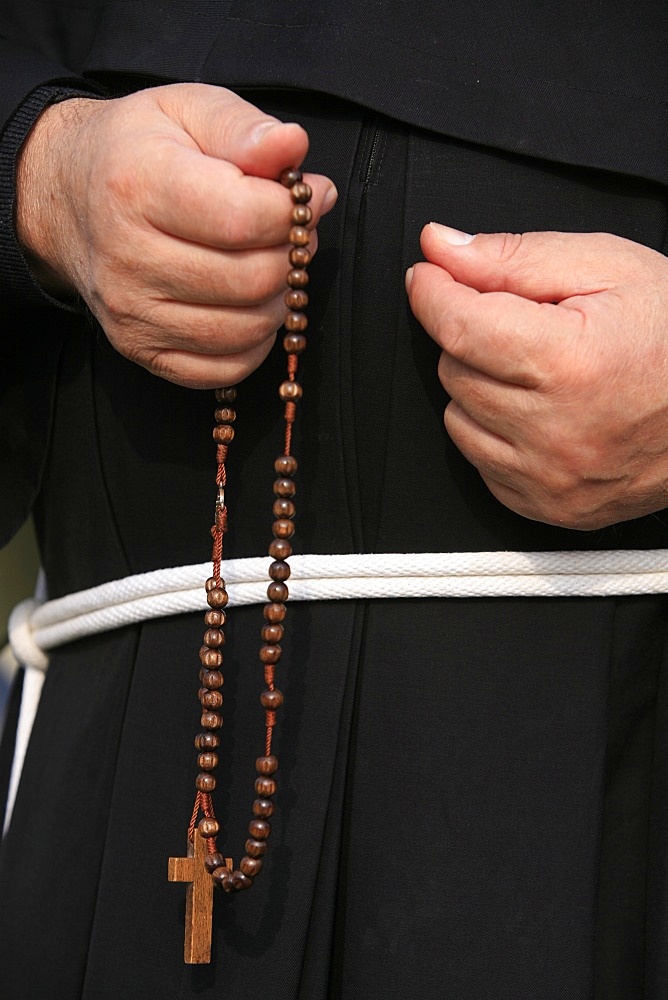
x=283 y=528
x=286 y=465
x=265 y=786
x=213 y=861
x=205 y=782
x=289 y=391
x=209 y=827
x=223 y=433
x=241 y=881
x=279 y=570
x=271 y=699
x=283 y=507
x=263 y=808
x=208 y=762
x=266 y=765
x=274 y=612
x=280 y=548
x=295 y=322
x=270 y=653
x=226 y=395
x=277 y=591
x=296 y=299
x=259 y=829
x=290 y=177
x=297 y=277
x=284 y=487
x=207 y=741
x=300 y=192
x=211 y=720
x=300 y=257
x=210 y=699
x=225 y=415
x=212 y=679
x=272 y=633
x=294 y=343
x=214 y=637
x=250 y=866
x=210 y=658
x=256 y=848
x=215 y=618
x=217 y=598
x=301 y=215
x=222 y=878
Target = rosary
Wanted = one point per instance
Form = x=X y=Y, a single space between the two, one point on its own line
x=205 y=867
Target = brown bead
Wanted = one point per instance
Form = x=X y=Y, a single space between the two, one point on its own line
x=207 y=741
x=277 y=591
x=263 y=808
x=283 y=528
x=223 y=433
x=241 y=881
x=295 y=322
x=286 y=465
x=284 y=487
x=208 y=762
x=205 y=782
x=300 y=257
x=208 y=827
x=270 y=653
x=215 y=618
x=211 y=720
x=259 y=829
x=296 y=299
x=210 y=658
x=212 y=679
x=299 y=236
x=266 y=765
x=271 y=699
x=300 y=192
x=250 y=866
x=256 y=848
x=289 y=391
x=213 y=861
x=283 y=507
x=272 y=633
x=294 y=343
x=265 y=786
x=225 y=415
x=222 y=878
x=297 y=278
x=290 y=176
x=301 y=215
x=226 y=395
x=274 y=612
x=214 y=637
x=217 y=598
x=279 y=570
x=280 y=548
x=209 y=698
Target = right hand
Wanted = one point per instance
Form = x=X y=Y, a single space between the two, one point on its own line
x=162 y=211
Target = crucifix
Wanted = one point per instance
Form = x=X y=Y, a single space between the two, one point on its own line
x=199 y=900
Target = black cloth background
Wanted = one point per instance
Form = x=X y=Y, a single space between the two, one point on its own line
x=472 y=793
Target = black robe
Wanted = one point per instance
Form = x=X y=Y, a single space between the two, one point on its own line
x=472 y=792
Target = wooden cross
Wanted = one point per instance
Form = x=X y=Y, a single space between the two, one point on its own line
x=199 y=900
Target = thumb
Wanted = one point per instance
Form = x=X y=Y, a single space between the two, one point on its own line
x=227 y=127
x=544 y=267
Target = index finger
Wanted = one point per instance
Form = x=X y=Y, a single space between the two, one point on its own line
x=500 y=334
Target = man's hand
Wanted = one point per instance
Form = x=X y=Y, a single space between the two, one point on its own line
x=162 y=210
x=555 y=356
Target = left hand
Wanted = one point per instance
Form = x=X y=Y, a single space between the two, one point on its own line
x=555 y=356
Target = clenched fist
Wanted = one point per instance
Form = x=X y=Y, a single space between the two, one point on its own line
x=162 y=211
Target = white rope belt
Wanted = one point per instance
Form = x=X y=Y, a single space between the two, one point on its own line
x=35 y=628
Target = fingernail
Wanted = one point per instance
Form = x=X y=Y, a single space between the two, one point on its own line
x=409 y=277
x=452 y=236
x=263 y=127
x=329 y=201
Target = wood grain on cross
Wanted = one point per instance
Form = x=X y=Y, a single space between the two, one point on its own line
x=199 y=900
